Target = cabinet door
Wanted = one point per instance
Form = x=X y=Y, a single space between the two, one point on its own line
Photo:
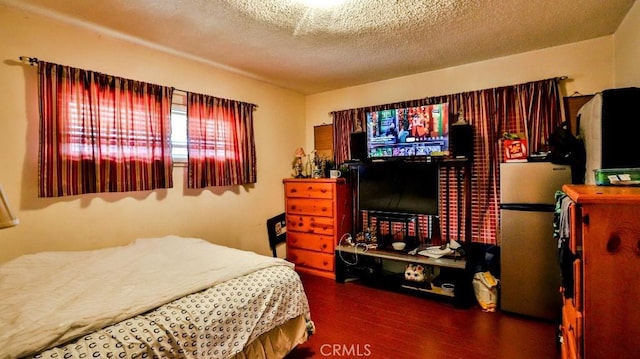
x=611 y=268
x=530 y=274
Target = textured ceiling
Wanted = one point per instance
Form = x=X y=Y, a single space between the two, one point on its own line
x=288 y=44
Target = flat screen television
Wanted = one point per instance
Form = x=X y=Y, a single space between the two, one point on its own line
x=421 y=131
x=398 y=186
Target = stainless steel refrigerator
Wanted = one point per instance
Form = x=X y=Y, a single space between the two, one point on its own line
x=530 y=273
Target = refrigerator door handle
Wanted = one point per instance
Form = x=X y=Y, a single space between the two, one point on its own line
x=529 y=207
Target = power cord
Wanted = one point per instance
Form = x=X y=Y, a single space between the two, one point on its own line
x=347 y=239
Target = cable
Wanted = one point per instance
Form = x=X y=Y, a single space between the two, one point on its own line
x=346 y=239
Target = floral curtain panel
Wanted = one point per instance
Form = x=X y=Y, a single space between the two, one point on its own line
x=101 y=133
x=220 y=146
x=532 y=108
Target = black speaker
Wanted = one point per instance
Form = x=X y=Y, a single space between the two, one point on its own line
x=358 y=146
x=461 y=140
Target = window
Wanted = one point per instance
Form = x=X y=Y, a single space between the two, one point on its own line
x=101 y=133
x=179 y=134
x=219 y=148
x=124 y=134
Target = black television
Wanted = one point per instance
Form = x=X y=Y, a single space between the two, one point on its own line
x=398 y=186
x=421 y=131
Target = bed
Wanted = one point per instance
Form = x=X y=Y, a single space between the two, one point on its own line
x=168 y=297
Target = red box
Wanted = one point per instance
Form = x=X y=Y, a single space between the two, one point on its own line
x=515 y=150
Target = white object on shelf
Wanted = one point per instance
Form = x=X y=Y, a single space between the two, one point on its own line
x=436 y=252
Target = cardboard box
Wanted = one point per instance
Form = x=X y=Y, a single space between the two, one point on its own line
x=515 y=150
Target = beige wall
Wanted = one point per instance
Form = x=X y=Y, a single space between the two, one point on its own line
x=591 y=66
x=627 y=50
x=588 y=65
x=229 y=216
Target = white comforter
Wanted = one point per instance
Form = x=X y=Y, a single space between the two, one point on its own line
x=49 y=298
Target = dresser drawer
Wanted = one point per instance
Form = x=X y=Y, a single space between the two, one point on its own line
x=318 y=212
x=575 y=225
x=312 y=242
x=317 y=207
x=572 y=328
x=310 y=259
x=310 y=224
x=577 y=284
x=568 y=348
x=309 y=190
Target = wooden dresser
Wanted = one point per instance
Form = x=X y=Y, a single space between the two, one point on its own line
x=601 y=319
x=319 y=212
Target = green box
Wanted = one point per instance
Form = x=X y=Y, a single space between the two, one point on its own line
x=617 y=177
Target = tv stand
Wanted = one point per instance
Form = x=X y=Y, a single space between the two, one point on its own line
x=369 y=265
x=384 y=267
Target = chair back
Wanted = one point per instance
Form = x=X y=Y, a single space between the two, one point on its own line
x=277 y=231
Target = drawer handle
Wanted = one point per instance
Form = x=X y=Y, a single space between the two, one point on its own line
x=613 y=244
x=293 y=190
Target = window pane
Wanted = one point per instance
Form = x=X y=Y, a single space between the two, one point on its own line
x=179 y=135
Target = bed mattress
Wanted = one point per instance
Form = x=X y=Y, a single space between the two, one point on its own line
x=215 y=323
x=166 y=305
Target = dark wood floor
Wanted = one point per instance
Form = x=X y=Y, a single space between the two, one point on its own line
x=353 y=320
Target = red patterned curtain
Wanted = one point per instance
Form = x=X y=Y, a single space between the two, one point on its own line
x=344 y=123
x=101 y=133
x=531 y=108
x=220 y=144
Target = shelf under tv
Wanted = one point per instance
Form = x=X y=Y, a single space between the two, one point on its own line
x=369 y=262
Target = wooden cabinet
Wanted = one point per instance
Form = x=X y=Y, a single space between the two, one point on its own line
x=318 y=213
x=600 y=319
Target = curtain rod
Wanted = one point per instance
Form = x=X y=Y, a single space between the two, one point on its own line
x=559 y=78
x=186 y=92
x=33 y=61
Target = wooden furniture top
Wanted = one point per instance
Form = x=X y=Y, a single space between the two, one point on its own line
x=584 y=194
x=318 y=180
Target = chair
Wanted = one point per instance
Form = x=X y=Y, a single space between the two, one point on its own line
x=277 y=230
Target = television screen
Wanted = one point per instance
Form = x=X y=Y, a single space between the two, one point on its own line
x=398 y=186
x=408 y=132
